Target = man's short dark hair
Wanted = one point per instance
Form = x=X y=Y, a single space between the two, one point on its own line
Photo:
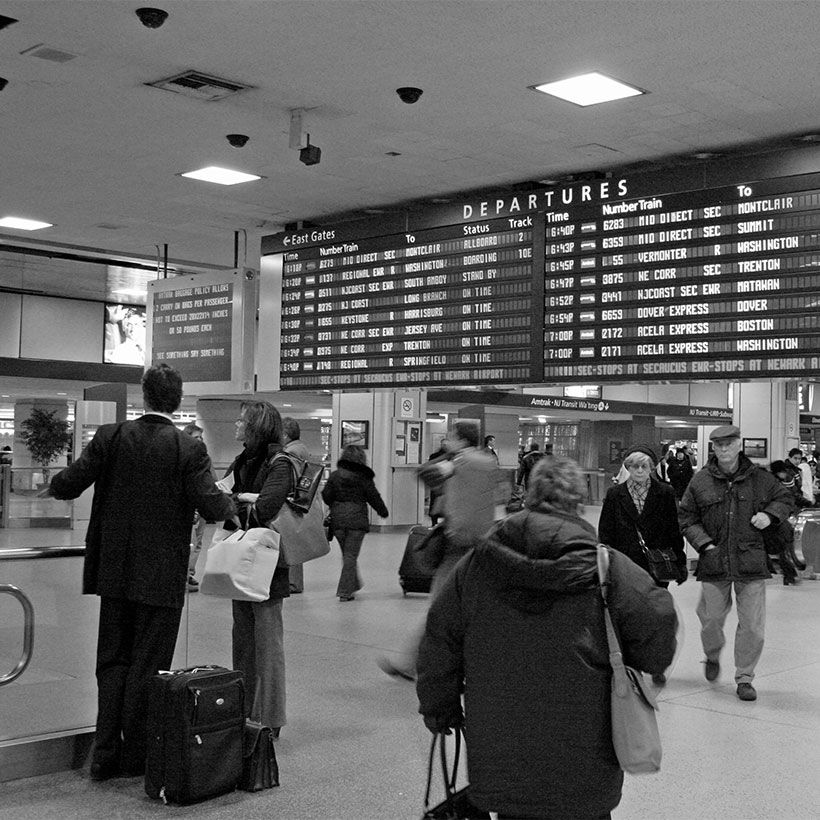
x=162 y=388
x=467 y=431
x=290 y=427
x=192 y=428
x=795 y=451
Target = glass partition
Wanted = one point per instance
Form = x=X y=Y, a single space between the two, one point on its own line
x=26 y=509
x=56 y=694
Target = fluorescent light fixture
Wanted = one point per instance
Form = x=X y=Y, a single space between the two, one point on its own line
x=589 y=89
x=130 y=291
x=221 y=176
x=23 y=224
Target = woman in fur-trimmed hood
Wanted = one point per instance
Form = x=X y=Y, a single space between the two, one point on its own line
x=518 y=630
x=348 y=491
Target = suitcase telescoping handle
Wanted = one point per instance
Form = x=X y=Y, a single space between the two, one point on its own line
x=209 y=668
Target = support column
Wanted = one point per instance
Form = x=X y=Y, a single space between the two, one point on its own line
x=392 y=423
x=767 y=412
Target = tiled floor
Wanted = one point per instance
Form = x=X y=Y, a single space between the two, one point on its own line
x=355 y=747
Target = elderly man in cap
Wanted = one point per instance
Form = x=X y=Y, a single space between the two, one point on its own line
x=722 y=514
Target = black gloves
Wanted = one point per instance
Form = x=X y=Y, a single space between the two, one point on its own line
x=439 y=724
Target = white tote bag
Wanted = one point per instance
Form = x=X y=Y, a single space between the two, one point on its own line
x=241 y=565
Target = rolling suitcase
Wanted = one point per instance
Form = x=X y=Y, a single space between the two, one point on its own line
x=414 y=574
x=196 y=723
x=807 y=540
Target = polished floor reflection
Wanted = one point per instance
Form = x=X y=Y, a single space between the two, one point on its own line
x=355 y=747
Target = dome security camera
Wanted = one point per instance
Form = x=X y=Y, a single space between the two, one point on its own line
x=152 y=18
x=238 y=140
x=409 y=95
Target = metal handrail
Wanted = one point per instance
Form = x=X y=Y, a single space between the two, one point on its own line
x=28 y=632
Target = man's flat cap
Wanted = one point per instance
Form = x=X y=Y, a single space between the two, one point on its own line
x=727 y=431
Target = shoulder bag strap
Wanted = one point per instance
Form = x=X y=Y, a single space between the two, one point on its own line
x=292 y=460
x=616 y=658
x=641 y=541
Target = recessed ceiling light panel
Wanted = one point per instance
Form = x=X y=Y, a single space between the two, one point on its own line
x=221 y=176
x=589 y=89
x=23 y=224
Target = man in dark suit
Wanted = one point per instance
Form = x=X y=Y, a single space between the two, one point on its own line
x=148 y=479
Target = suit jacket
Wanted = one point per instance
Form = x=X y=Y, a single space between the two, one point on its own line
x=658 y=522
x=148 y=479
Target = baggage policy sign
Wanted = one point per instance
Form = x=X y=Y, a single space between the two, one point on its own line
x=192 y=328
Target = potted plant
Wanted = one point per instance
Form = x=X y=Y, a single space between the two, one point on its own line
x=46 y=437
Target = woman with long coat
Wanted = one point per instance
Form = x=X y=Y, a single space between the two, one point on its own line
x=518 y=630
x=348 y=491
x=642 y=507
x=262 y=480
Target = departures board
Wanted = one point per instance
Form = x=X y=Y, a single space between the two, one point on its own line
x=436 y=306
x=714 y=283
x=607 y=280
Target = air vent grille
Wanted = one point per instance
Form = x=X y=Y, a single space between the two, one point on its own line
x=200 y=86
x=53 y=55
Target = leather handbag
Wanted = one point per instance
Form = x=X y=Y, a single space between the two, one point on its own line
x=635 y=734
x=241 y=565
x=300 y=521
x=260 y=769
x=662 y=562
x=303 y=535
x=306 y=484
x=456 y=804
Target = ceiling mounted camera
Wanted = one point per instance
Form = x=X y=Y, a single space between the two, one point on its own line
x=152 y=18
x=238 y=140
x=409 y=95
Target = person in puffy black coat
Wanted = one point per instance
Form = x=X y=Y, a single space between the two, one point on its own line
x=348 y=491
x=518 y=630
x=723 y=514
x=680 y=472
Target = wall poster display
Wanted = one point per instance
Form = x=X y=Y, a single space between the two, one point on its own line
x=355 y=432
x=755 y=447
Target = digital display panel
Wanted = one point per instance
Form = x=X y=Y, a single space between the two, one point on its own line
x=656 y=278
x=124 y=341
x=436 y=306
x=722 y=283
x=203 y=326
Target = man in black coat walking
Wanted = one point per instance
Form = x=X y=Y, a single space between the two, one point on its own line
x=148 y=478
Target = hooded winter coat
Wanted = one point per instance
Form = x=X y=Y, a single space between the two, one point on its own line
x=348 y=491
x=518 y=628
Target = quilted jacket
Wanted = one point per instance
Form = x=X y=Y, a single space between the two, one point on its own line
x=518 y=628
